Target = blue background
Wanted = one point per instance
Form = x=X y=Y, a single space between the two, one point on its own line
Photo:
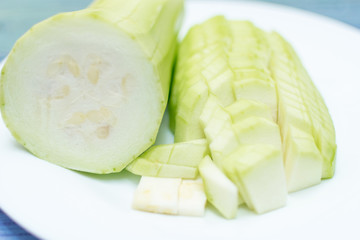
x=17 y=16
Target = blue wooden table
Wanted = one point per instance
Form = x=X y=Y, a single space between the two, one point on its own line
x=17 y=16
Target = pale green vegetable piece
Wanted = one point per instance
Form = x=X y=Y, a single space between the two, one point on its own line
x=303 y=160
x=221 y=135
x=190 y=71
x=215 y=126
x=187 y=123
x=157 y=153
x=256 y=130
x=202 y=69
x=221 y=86
x=300 y=103
x=252 y=134
x=252 y=73
x=249 y=59
x=243 y=122
x=212 y=105
x=251 y=130
x=175 y=171
x=261 y=143
x=225 y=142
x=214 y=118
x=178 y=160
x=87 y=89
x=258 y=90
x=144 y=167
x=220 y=191
x=258 y=172
x=244 y=108
x=183 y=154
x=189 y=153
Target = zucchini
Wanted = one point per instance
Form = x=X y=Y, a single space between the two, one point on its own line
x=87 y=90
x=247 y=93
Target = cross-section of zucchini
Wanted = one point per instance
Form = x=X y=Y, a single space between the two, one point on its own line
x=87 y=90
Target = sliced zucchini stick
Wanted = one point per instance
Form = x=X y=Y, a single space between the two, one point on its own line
x=144 y=167
x=202 y=68
x=257 y=170
x=179 y=160
x=301 y=106
x=220 y=191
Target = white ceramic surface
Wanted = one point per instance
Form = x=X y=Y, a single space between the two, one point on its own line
x=56 y=203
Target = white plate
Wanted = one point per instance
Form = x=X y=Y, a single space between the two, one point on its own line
x=55 y=203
